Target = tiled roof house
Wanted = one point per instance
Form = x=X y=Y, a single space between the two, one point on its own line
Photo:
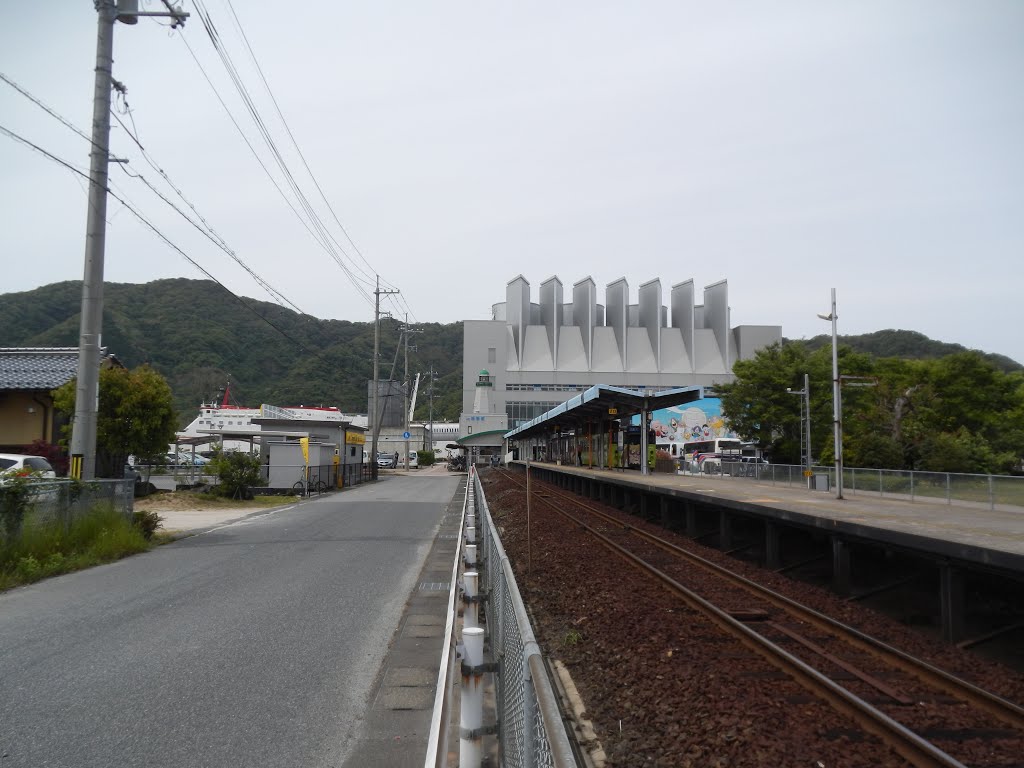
x=27 y=376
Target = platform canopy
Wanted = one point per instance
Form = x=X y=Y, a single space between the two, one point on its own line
x=603 y=402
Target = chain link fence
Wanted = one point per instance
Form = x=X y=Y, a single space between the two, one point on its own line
x=530 y=727
x=63 y=501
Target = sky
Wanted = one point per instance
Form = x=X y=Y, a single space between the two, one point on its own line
x=792 y=147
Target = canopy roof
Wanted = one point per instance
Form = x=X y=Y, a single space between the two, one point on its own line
x=594 y=405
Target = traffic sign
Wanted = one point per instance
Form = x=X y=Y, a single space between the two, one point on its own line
x=406 y=435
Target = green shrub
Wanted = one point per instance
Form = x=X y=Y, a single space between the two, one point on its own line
x=238 y=472
x=425 y=458
x=15 y=501
x=147 y=522
x=101 y=535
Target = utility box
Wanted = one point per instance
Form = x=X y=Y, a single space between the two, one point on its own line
x=287 y=465
x=820 y=482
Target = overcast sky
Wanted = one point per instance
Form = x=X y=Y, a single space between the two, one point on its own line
x=789 y=147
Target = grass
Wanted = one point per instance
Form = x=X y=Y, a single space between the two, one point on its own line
x=102 y=535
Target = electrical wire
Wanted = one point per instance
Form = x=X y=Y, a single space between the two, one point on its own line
x=214 y=237
x=247 y=100
x=163 y=237
x=206 y=230
x=295 y=143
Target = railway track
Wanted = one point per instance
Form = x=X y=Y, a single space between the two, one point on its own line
x=924 y=714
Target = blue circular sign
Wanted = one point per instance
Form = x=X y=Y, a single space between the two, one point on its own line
x=406 y=435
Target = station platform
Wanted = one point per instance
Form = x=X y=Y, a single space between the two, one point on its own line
x=972 y=532
x=956 y=548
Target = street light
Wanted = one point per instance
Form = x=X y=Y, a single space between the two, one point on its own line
x=837 y=402
x=805 y=413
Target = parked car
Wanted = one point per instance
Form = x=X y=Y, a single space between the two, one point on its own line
x=386 y=460
x=187 y=460
x=16 y=463
x=414 y=461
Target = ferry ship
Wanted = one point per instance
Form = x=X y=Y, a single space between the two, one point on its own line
x=226 y=417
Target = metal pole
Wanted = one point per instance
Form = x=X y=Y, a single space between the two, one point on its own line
x=837 y=402
x=643 y=439
x=529 y=550
x=405 y=380
x=83 y=434
x=374 y=414
x=807 y=393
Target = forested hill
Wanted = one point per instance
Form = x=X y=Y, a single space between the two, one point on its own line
x=905 y=344
x=196 y=334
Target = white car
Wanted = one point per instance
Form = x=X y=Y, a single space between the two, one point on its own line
x=414 y=461
x=16 y=463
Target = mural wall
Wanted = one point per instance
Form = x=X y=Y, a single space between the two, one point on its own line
x=699 y=420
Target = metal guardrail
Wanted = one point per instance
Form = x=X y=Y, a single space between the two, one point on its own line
x=531 y=732
x=987 y=491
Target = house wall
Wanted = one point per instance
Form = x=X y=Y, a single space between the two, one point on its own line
x=23 y=420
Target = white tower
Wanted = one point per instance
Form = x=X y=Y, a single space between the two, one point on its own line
x=484 y=387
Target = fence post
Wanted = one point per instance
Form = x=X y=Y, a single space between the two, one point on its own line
x=470 y=613
x=911 y=485
x=881 y=492
x=991 y=493
x=472 y=700
x=529 y=713
x=949 y=492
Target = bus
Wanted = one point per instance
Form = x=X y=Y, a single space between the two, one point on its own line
x=707 y=455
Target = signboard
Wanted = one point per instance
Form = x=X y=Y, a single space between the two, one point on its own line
x=353 y=437
x=406 y=435
x=613 y=411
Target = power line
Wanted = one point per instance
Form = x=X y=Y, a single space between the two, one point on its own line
x=163 y=237
x=316 y=237
x=206 y=230
x=284 y=122
x=215 y=238
x=248 y=102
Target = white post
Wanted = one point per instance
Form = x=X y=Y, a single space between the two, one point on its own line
x=471 y=534
x=472 y=699
x=471 y=555
x=471 y=615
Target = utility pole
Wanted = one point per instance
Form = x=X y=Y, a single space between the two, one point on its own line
x=837 y=398
x=406 y=330
x=87 y=395
x=432 y=373
x=375 y=413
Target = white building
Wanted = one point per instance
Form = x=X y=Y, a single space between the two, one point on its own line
x=539 y=354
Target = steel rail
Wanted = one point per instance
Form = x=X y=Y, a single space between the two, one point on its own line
x=898 y=737
x=1007 y=711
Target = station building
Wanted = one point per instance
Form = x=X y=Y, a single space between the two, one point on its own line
x=537 y=352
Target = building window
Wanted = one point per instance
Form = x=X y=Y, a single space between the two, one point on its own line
x=492 y=355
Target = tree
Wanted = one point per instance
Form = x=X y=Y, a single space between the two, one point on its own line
x=238 y=472
x=136 y=416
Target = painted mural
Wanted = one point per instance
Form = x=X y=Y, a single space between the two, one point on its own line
x=699 y=420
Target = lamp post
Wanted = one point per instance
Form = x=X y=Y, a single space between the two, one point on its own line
x=805 y=416
x=837 y=403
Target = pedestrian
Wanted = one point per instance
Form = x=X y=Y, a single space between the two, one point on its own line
x=579 y=457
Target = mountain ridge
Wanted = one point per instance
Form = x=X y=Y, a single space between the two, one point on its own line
x=198 y=335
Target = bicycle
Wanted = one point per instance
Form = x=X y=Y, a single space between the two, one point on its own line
x=307 y=486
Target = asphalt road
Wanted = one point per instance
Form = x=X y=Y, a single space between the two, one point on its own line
x=253 y=644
